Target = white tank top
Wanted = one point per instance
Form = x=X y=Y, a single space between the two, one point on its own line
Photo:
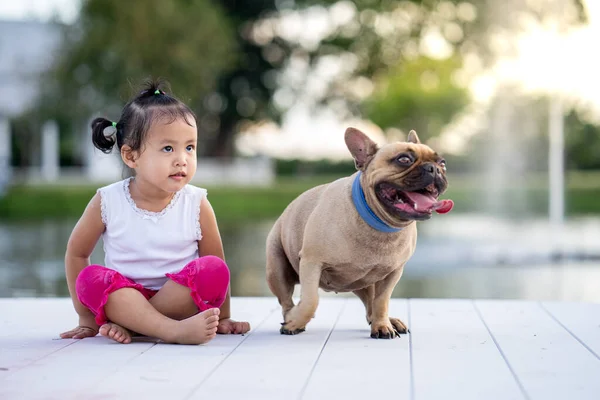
x=144 y=245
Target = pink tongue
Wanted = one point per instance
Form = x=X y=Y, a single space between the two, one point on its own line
x=426 y=203
x=444 y=206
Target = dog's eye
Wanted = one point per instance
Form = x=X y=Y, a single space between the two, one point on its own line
x=404 y=160
x=443 y=164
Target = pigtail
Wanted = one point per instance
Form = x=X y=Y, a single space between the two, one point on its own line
x=101 y=141
x=154 y=88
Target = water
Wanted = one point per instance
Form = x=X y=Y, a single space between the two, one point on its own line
x=459 y=256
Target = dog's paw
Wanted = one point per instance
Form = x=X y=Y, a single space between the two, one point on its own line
x=388 y=329
x=399 y=326
x=284 y=331
x=295 y=322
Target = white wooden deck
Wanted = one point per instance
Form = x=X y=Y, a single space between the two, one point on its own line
x=457 y=349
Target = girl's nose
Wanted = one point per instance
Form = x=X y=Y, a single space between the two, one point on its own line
x=181 y=160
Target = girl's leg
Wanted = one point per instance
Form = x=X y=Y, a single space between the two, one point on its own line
x=93 y=286
x=109 y=295
x=129 y=308
x=201 y=285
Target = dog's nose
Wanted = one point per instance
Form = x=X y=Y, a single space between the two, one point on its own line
x=430 y=168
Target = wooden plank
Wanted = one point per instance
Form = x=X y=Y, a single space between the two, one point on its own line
x=72 y=369
x=171 y=371
x=548 y=361
x=551 y=348
x=582 y=320
x=27 y=315
x=76 y=370
x=269 y=365
x=453 y=353
x=354 y=366
x=29 y=331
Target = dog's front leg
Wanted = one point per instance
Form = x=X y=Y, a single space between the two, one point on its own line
x=382 y=326
x=297 y=318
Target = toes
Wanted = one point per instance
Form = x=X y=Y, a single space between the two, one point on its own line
x=212 y=325
x=399 y=326
x=213 y=318
x=115 y=332
x=104 y=329
x=284 y=331
x=211 y=313
x=383 y=333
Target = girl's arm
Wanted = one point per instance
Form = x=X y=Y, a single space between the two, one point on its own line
x=211 y=245
x=82 y=241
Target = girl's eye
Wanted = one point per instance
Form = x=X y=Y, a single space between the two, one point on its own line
x=190 y=147
x=168 y=149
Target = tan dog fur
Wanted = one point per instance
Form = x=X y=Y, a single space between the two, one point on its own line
x=321 y=241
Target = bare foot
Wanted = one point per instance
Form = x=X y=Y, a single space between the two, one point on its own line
x=116 y=333
x=199 y=328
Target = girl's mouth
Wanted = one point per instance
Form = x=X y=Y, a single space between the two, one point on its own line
x=178 y=176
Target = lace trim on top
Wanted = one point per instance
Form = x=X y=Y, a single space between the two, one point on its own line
x=103 y=208
x=145 y=213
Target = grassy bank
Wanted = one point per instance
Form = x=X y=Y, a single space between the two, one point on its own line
x=230 y=203
x=234 y=204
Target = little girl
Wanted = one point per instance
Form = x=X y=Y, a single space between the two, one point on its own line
x=164 y=274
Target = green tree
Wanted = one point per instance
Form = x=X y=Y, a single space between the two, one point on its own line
x=374 y=38
x=229 y=58
x=418 y=94
x=115 y=45
x=582 y=143
x=243 y=91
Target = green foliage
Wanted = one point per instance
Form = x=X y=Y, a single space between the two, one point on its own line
x=377 y=37
x=582 y=143
x=244 y=91
x=235 y=204
x=231 y=204
x=311 y=168
x=210 y=53
x=418 y=95
x=116 y=44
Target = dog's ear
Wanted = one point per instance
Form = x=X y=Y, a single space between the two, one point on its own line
x=413 y=138
x=361 y=147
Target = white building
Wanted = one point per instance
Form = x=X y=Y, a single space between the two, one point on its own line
x=27 y=48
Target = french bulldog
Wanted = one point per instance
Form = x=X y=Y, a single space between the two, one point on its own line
x=356 y=234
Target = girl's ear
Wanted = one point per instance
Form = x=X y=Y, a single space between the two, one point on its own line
x=129 y=156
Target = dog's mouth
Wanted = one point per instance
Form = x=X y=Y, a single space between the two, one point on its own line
x=419 y=203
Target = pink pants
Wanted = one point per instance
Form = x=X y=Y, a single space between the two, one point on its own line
x=207 y=277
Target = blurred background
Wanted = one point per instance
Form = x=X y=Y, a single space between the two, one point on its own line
x=506 y=90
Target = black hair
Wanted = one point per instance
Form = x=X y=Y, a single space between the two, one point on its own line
x=153 y=102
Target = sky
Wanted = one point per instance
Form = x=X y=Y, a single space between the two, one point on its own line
x=44 y=10
x=546 y=62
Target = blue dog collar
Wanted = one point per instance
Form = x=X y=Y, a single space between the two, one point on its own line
x=358 y=198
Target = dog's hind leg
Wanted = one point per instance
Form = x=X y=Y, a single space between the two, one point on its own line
x=366 y=296
x=281 y=276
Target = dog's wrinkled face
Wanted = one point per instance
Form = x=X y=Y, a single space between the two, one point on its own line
x=403 y=180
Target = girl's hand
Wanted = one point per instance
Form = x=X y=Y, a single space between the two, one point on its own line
x=87 y=328
x=227 y=325
x=79 y=333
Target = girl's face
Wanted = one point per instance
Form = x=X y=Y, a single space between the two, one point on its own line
x=167 y=159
